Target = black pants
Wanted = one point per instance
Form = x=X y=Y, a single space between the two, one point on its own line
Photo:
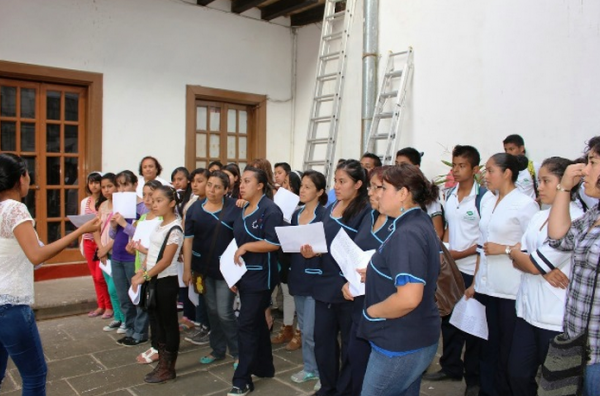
x=501 y=317
x=453 y=342
x=164 y=326
x=331 y=319
x=359 y=350
x=254 y=341
x=528 y=352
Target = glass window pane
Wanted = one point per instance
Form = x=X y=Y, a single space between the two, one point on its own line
x=69 y=228
x=215 y=118
x=52 y=138
x=71 y=171
x=53 y=203
x=71 y=139
x=200 y=164
x=53 y=171
x=8 y=101
x=242 y=165
x=71 y=106
x=243 y=121
x=53 y=105
x=71 y=201
x=27 y=103
x=30 y=161
x=201 y=145
x=201 y=118
x=231 y=151
x=215 y=141
x=8 y=141
x=242 y=143
x=27 y=136
x=231 y=120
x=29 y=201
x=53 y=231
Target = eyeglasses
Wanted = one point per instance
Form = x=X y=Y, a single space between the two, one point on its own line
x=374 y=188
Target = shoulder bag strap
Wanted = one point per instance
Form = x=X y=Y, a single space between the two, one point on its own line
x=216 y=235
x=587 y=325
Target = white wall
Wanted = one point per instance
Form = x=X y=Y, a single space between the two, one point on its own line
x=148 y=51
x=483 y=70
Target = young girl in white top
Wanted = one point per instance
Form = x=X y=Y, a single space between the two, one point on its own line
x=20 y=251
x=504 y=218
x=163 y=318
x=542 y=294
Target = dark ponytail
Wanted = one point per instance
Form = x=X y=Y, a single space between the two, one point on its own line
x=357 y=173
x=262 y=177
x=506 y=161
x=12 y=167
x=410 y=177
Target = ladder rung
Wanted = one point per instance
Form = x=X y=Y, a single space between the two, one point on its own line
x=389 y=114
x=331 y=56
x=333 y=36
x=335 y=16
x=322 y=118
x=329 y=76
x=391 y=94
x=380 y=136
x=325 y=98
x=318 y=141
x=398 y=53
x=395 y=73
x=315 y=162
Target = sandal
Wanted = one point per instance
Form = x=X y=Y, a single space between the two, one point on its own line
x=150 y=356
x=208 y=359
x=107 y=315
x=95 y=313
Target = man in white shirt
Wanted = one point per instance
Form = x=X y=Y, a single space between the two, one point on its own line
x=527 y=180
x=462 y=232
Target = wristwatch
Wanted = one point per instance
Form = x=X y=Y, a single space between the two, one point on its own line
x=507 y=250
x=146 y=276
x=560 y=188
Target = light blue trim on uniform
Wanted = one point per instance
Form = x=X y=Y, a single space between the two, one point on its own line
x=337 y=219
x=213 y=214
x=249 y=233
x=370 y=319
x=374 y=232
x=269 y=270
x=196 y=254
x=392 y=353
x=272 y=243
x=254 y=267
x=379 y=272
x=302 y=210
x=402 y=279
x=313 y=271
x=188 y=236
x=341 y=274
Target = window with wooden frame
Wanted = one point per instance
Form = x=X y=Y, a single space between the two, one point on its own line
x=224 y=125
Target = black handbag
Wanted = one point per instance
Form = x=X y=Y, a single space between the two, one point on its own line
x=148 y=288
x=563 y=370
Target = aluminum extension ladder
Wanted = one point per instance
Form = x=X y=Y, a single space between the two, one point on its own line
x=390 y=106
x=331 y=66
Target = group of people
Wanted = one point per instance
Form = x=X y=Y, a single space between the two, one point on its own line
x=532 y=269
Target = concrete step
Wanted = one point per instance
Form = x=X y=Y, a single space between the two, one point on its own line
x=64 y=297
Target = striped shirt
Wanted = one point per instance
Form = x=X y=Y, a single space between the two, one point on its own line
x=584 y=240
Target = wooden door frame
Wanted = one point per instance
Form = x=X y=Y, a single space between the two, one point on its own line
x=257 y=143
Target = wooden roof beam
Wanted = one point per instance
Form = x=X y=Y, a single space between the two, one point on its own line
x=307 y=17
x=284 y=7
x=239 y=6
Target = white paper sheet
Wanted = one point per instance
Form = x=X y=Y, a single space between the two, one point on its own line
x=293 y=237
x=469 y=316
x=80 y=220
x=350 y=258
x=124 y=203
x=193 y=296
x=287 y=202
x=143 y=230
x=230 y=270
x=134 y=296
x=180 y=274
x=106 y=267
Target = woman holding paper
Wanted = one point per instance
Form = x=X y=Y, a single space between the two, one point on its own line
x=542 y=293
x=254 y=232
x=333 y=313
x=372 y=232
x=504 y=218
x=208 y=232
x=300 y=280
x=20 y=251
x=401 y=320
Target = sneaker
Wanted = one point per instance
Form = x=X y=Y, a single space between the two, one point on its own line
x=120 y=341
x=317 y=386
x=303 y=376
x=235 y=391
x=200 y=337
x=130 y=342
x=122 y=329
x=114 y=325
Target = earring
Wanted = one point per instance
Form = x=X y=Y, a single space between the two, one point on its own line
x=402 y=209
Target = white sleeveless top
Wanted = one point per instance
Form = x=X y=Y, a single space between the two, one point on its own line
x=16 y=271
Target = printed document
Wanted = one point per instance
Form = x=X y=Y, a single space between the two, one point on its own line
x=293 y=237
x=469 y=316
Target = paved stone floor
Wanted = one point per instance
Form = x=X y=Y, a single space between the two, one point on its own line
x=84 y=360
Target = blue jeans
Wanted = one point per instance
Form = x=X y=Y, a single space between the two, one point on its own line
x=305 y=308
x=137 y=326
x=223 y=323
x=396 y=376
x=19 y=339
x=592 y=380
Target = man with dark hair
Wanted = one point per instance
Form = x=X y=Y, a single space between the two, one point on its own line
x=526 y=182
x=514 y=144
x=408 y=155
x=370 y=161
x=280 y=171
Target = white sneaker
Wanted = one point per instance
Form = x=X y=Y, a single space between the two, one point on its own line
x=317 y=386
x=122 y=329
x=303 y=376
x=114 y=325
